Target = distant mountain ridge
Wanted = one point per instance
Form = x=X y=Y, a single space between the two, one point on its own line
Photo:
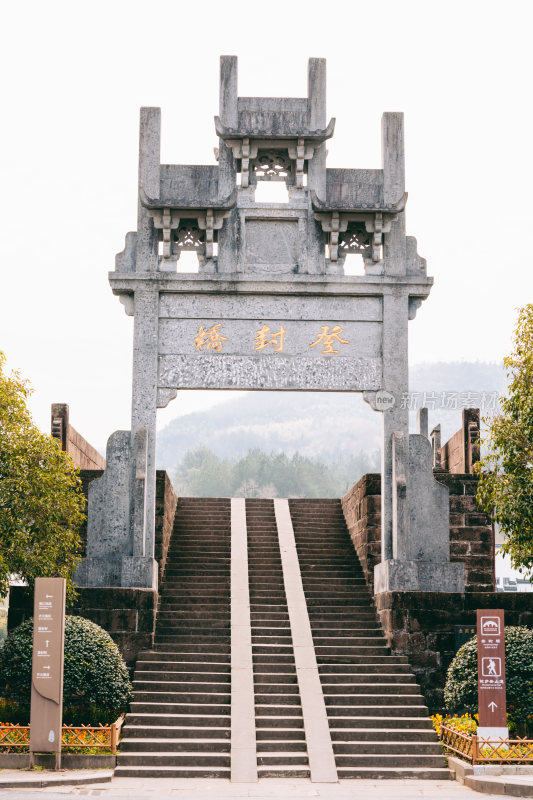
x=325 y=426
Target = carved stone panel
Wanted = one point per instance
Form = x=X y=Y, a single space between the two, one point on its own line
x=272 y=245
x=219 y=371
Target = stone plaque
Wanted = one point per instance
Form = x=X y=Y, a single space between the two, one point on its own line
x=491 y=674
x=47 y=667
x=272 y=244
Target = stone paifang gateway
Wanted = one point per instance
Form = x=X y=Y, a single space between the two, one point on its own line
x=271 y=308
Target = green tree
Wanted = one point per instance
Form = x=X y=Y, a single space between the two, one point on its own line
x=505 y=487
x=258 y=474
x=41 y=502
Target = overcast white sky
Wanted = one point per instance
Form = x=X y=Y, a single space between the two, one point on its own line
x=75 y=75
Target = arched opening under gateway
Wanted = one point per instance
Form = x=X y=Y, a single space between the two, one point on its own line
x=267 y=444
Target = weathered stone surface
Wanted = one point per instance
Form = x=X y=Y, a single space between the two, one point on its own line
x=471 y=545
x=275 y=268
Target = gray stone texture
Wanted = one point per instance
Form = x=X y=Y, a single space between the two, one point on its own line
x=275 y=265
x=469 y=538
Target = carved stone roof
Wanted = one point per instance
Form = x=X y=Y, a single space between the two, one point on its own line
x=356 y=190
x=273 y=118
x=189 y=186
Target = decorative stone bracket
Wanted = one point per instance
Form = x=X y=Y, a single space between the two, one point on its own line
x=189 y=236
x=334 y=223
x=246 y=150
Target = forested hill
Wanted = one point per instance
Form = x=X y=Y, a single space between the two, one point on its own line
x=324 y=426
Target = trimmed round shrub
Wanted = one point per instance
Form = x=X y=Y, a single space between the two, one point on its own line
x=460 y=692
x=96 y=683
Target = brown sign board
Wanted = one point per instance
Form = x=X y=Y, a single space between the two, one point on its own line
x=47 y=667
x=491 y=668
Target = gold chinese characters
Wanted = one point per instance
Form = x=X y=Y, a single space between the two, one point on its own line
x=212 y=339
x=328 y=339
x=262 y=339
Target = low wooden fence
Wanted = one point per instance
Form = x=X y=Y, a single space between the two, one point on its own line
x=478 y=750
x=102 y=737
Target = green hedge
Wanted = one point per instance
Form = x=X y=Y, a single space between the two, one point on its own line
x=96 y=684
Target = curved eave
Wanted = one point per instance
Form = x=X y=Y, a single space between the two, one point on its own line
x=392 y=208
x=315 y=136
x=223 y=205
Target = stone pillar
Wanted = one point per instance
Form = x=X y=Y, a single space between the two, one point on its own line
x=145 y=341
x=395 y=419
x=316 y=93
x=227 y=176
x=143 y=416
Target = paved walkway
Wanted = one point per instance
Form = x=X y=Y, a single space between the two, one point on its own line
x=265 y=789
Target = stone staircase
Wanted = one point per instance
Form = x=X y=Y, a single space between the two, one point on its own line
x=180 y=722
x=378 y=721
x=281 y=747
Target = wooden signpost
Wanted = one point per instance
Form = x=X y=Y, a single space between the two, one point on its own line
x=491 y=674
x=47 y=668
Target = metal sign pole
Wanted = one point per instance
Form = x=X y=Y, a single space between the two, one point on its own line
x=491 y=674
x=47 y=668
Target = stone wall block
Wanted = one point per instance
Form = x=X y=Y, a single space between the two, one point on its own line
x=477 y=519
x=462 y=503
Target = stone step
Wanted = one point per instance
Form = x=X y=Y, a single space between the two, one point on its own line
x=171 y=684
x=376 y=735
x=174 y=745
x=375 y=710
x=174 y=759
x=265 y=679
x=273 y=699
x=354 y=701
x=350 y=688
x=282 y=746
x=157 y=732
x=394 y=773
x=375 y=748
x=271 y=721
x=268 y=709
x=382 y=668
x=199 y=648
x=372 y=720
x=272 y=690
x=160 y=719
x=172 y=772
x=280 y=771
x=334 y=642
x=283 y=758
x=266 y=734
x=180 y=709
x=350 y=658
x=201 y=662
x=195 y=698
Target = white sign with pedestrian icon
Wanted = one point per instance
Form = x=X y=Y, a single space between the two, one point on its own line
x=491 y=667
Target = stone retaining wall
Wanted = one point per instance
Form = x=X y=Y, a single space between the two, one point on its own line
x=471 y=533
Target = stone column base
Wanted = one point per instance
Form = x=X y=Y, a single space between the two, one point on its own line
x=492 y=733
x=128 y=571
x=418 y=576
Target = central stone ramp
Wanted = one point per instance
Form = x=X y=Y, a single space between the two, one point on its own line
x=378 y=721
